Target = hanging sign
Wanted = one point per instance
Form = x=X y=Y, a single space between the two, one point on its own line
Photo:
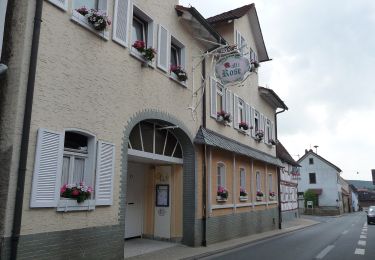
x=232 y=68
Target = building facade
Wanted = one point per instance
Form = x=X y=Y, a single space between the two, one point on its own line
x=289 y=176
x=118 y=144
x=323 y=178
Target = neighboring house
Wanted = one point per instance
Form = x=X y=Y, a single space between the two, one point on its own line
x=345 y=195
x=161 y=160
x=323 y=178
x=354 y=195
x=289 y=176
x=366 y=198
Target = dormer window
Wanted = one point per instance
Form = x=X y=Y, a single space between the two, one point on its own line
x=311 y=160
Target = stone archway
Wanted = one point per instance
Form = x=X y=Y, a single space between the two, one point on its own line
x=185 y=138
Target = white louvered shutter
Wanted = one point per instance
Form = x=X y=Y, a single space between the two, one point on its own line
x=163 y=48
x=105 y=169
x=247 y=116
x=63 y=4
x=213 y=98
x=229 y=103
x=150 y=35
x=47 y=169
x=235 y=112
x=273 y=131
x=121 y=22
x=266 y=126
x=238 y=41
x=183 y=58
x=261 y=126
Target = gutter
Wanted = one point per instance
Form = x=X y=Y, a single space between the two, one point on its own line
x=204 y=178
x=278 y=172
x=26 y=131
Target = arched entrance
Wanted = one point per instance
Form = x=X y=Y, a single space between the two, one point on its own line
x=158 y=179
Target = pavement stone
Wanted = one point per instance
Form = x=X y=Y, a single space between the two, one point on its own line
x=184 y=252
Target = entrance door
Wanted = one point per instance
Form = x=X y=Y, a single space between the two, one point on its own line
x=134 y=200
x=162 y=227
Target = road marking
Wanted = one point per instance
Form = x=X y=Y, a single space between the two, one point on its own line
x=346 y=231
x=362 y=242
x=359 y=251
x=324 y=252
x=363 y=236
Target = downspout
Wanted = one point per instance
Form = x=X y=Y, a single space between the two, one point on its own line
x=26 y=131
x=278 y=171
x=204 y=181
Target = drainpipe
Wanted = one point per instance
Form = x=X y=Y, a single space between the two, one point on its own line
x=26 y=131
x=204 y=174
x=278 y=171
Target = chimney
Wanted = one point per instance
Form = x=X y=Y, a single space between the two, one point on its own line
x=306 y=151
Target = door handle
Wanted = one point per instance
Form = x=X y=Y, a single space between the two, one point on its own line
x=131 y=203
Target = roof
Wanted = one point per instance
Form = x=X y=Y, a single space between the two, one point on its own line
x=198 y=23
x=310 y=152
x=213 y=139
x=254 y=24
x=362 y=184
x=230 y=15
x=272 y=98
x=283 y=154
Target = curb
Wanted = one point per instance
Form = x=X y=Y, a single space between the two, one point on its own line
x=255 y=241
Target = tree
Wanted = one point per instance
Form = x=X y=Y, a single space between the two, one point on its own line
x=311 y=196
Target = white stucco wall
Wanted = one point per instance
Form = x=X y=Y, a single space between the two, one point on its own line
x=326 y=179
x=355 y=205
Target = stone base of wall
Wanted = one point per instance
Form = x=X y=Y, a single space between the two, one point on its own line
x=89 y=243
x=289 y=215
x=241 y=224
x=323 y=211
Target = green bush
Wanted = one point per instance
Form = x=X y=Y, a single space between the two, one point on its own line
x=311 y=196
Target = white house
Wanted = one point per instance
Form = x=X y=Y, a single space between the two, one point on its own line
x=323 y=178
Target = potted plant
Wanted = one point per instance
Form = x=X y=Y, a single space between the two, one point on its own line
x=243 y=125
x=272 y=195
x=222 y=194
x=254 y=65
x=243 y=194
x=224 y=117
x=79 y=192
x=147 y=53
x=83 y=10
x=179 y=72
x=259 y=196
x=99 y=20
x=259 y=134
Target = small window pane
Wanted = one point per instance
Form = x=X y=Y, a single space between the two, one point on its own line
x=89 y=4
x=174 y=56
x=178 y=152
x=138 y=30
x=148 y=136
x=79 y=170
x=135 y=138
x=160 y=136
x=65 y=170
x=270 y=183
x=75 y=141
x=242 y=179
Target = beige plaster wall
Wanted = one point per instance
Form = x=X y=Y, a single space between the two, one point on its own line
x=248 y=92
x=96 y=85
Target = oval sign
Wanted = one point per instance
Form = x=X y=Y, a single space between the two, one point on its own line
x=232 y=68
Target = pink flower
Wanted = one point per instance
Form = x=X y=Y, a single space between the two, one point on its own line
x=227 y=65
x=75 y=192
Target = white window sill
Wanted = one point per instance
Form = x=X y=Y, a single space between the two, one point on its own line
x=222 y=122
x=82 y=21
x=173 y=77
x=135 y=54
x=220 y=199
x=243 y=198
x=244 y=132
x=65 y=205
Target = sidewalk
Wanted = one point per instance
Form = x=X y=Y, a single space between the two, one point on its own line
x=185 y=252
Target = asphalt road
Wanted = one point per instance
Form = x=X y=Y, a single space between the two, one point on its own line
x=347 y=237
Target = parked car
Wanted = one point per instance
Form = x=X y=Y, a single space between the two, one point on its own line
x=371 y=214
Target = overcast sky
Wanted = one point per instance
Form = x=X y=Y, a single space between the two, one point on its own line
x=323 y=68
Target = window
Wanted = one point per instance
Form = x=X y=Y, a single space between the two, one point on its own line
x=219 y=98
x=256 y=121
x=241 y=111
x=177 y=56
x=242 y=179
x=89 y=4
x=70 y=158
x=142 y=29
x=312 y=178
x=268 y=131
x=258 y=181
x=220 y=175
x=311 y=160
x=270 y=184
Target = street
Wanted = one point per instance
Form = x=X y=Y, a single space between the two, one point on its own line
x=346 y=237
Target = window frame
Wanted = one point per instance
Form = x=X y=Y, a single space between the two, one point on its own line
x=220 y=92
x=221 y=175
x=312 y=179
x=149 y=30
x=242 y=178
x=181 y=54
x=311 y=160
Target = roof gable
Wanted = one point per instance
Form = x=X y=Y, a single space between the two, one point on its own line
x=310 y=152
x=284 y=155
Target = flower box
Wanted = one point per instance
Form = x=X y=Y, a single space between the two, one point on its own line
x=148 y=54
x=223 y=117
x=259 y=134
x=244 y=198
x=179 y=73
x=259 y=198
x=221 y=199
x=79 y=192
x=272 y=195
x=83 y=21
